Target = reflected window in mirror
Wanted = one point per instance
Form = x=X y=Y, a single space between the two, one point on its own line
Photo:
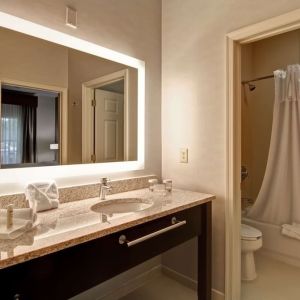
x=29 y=127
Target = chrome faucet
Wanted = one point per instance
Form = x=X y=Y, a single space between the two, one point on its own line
x=104 y=188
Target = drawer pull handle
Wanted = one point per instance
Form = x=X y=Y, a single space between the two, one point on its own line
x=175 y=224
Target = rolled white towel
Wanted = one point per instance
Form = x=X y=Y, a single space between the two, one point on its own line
x=42 y=195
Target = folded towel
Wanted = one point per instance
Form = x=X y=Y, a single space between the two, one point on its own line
x=291 y=230
x=42 y=195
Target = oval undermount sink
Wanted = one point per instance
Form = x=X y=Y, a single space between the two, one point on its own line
x=120 y=206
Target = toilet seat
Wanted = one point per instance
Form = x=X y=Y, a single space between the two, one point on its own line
x=250 y=233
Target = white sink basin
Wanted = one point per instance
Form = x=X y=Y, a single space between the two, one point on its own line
x=120 y=206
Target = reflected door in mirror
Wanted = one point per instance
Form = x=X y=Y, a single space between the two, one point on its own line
x=109 y=126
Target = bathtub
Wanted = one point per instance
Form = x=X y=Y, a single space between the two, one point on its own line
x=275 y=244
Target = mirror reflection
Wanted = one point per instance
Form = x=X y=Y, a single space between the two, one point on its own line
x=63 y=106
x=29 y=127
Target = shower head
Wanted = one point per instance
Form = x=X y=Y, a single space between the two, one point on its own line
x=251 y=87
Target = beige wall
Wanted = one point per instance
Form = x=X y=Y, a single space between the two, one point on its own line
x=259 y=59
x=194 y=97
x=132 y=27
x=37 y=61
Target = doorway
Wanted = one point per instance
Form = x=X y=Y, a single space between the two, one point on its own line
x=268 y=195
x=105 y=118
x=235 y=40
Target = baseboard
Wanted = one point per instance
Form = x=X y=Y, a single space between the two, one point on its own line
x=133 y=279
x=217 y=295
x=185 y=280
x=290 y=260
x=130 y=285
x=124 y=283
x=189 y=282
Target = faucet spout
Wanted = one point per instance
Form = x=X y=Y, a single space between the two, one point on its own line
x=104 y=188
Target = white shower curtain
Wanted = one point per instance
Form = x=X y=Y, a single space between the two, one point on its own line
x=278 y=201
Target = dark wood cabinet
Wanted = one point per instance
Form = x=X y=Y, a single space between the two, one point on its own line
x=68 y=272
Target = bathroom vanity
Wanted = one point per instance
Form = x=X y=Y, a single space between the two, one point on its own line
x=99 y=93
x=76 y=246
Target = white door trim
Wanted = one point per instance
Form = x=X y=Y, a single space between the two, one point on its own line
x=271 y=27
x=63 y=110
x=88 y=112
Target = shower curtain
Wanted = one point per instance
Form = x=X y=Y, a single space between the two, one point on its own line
x=278 y=201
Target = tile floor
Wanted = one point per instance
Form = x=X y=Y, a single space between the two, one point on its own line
x=162 y=288
x=275 y=281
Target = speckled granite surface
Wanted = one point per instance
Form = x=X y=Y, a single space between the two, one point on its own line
x=77 y=222
x=18 y=200
x=92 y=190
x=75 y=193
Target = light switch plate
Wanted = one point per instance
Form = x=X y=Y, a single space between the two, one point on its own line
x=183 y=155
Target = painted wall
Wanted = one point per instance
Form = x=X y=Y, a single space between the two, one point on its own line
x=132 y=27
x=260 y=59
x=194 y=97
x=37 y=61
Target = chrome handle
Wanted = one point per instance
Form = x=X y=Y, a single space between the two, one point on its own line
x=175 y=224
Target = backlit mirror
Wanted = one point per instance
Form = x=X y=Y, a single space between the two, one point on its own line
x=63 y=106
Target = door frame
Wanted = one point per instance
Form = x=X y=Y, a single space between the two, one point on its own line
x=88 y=112
x=271 y=27
x=63 y=111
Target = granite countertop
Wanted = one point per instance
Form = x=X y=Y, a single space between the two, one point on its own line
x=75 y=222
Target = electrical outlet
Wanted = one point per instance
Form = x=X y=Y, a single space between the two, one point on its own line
x=184 y=155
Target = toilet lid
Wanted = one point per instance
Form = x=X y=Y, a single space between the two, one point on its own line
x=248 y=232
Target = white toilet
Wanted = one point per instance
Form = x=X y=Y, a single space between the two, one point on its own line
x=251 y=240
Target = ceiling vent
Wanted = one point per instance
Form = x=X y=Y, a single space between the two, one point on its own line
x=71 y=17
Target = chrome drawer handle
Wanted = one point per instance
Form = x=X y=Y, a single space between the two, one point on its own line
x=175 y=224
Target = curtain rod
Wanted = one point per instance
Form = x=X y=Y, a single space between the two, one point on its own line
x=258 y=78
